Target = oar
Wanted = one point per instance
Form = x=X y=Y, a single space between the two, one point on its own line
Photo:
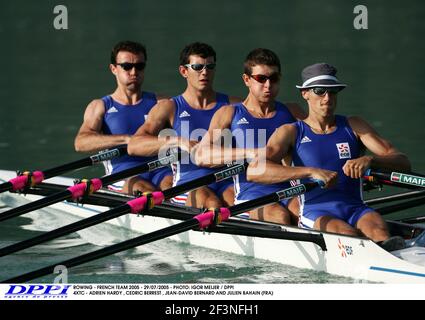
x=133 y=206
x=202 y=221
x=419 y=193
x=407 y=180
x=32 y=178
x=87 y=187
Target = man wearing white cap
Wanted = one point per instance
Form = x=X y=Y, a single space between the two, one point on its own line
x=331 y=147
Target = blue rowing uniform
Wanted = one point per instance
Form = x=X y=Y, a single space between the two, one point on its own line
x=330 y=152
x=126 y=119
x=192 y=124
x=251 y=132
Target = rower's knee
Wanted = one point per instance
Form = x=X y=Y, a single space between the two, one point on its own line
x=331 y=224
x=273 y=213
x=166 y=183
x=135 y=184
x=373 y=226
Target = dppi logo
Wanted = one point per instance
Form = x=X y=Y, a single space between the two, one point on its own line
x=345 y=249
x=50 y=291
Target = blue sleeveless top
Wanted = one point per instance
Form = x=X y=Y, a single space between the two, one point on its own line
x=251 y=132
x=330 y=152
x=126 y=119
x=192 y=124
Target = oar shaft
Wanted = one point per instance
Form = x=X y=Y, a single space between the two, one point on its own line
x=208 y=179
x=73 y=227
x=398 y=178
x=94 y=159
x=6 y=186
x=35 y=177
x=144 y=167
x=44 y=202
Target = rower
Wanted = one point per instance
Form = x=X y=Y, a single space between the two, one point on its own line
x=252 y=122
x=189 y=115
x=329 y=147
x=111 y=120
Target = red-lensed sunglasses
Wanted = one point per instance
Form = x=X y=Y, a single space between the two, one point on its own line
x=261 y=78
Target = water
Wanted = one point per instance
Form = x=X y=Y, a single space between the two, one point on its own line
x=49 y=76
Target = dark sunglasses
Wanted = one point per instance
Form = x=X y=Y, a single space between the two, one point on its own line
x=322 y=91
x=127 y=66
x=261 y=78
x=199 y=66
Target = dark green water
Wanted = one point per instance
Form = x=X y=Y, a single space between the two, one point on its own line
x=48 y=76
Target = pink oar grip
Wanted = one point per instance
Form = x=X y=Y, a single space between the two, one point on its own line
x=20 y=182
x=78 y=190
x=205 y=219
x=139 y=204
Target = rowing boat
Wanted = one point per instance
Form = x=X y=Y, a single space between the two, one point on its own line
x=355 y=257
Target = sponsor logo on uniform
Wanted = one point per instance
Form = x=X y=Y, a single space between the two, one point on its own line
x=111 y=110
x=305 y=139
x=343 y=150
x=184 y=114
x=243 y=121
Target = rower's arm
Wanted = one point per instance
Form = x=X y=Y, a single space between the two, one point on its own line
x=210 y=152
x=385 y=155
x=147 y=140
x=90 y=137
x=273 y=169
x=270 y=169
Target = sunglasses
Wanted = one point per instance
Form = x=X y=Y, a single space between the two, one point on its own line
x=261 y=78
x=199 y=66
x=322 y=91
x=127 y=66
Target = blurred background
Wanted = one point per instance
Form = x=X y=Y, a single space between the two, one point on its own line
x=49 y=76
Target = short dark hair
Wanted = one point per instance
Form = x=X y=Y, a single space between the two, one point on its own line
x=130 y=46
x=260 y=56
x=197 y=48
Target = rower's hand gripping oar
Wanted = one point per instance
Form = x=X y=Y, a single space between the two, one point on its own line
x=145 y=202
x=29 y=179
x=202 y=221
x=89 y=186
x=396 y=178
